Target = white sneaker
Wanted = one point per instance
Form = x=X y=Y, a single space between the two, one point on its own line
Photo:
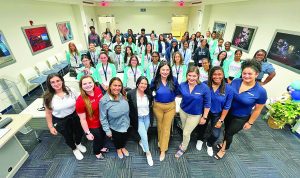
x=199 y=145
x=78 y=154
x=140 y=143
x=210 y=151
x=149 y=160
x=81 y=148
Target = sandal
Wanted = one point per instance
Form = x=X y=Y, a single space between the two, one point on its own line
x=104 y=150
x=179 y=153
x=217 y=157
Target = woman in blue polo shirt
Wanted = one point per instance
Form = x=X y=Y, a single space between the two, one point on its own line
x=247 y=93
x=221 y=98
x=164 y=88
x=266 y=67
x=194 y=106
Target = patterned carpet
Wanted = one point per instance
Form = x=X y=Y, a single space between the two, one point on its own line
x=260 y=152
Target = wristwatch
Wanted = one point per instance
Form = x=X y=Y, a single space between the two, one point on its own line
x=87 y=133
x=221 y=121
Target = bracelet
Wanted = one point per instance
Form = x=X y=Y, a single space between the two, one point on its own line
x=222 y=121
x=87 y=133
x=250 y=123
x=205 y=118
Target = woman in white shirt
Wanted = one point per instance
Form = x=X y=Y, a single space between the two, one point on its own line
x=132 y=72
x=60 y=113
x=140 y=102
x=204 y=70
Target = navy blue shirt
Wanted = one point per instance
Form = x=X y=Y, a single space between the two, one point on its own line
x=194 y=102
x=220 y=102
x=243 y=103
x=163 y=94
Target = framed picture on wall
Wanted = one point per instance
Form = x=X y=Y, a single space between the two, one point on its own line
x=243 y=36
x=64 y=31
x=284 y=49
x=6 y=56
x=38 y=38
x=219 y=27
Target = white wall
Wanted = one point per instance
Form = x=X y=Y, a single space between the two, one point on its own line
x=267 y=15
x=195 y=17
x=16 y=14
x=155 y=18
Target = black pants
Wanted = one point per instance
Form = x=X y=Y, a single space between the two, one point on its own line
x=70 y=128
x=214 y=133
x=233 y=125
x=99 y=138
x=119 y=139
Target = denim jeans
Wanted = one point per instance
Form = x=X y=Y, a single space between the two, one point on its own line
x=144 y=123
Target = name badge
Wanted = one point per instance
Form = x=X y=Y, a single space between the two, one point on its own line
x=250 y=94
x=196 y=93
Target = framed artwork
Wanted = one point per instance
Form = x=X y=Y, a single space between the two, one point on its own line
x=65 y=31
x=38 y=38
x=243 y=36
x=219 y=27
x=6 y=56
x=284 y=49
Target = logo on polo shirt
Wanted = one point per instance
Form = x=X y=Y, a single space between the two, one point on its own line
x=250 y=93
x=196 y=93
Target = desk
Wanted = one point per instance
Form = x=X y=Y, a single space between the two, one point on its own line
x=38 y=117
x=12 y=153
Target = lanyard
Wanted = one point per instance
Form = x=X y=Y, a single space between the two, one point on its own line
x=148 y=58
x=220 y=49
x=177 y=71
x=134 y=73
x=184 y=54
x=75 y=57
x=105 y=71
x=154 y=69
x=118 y=59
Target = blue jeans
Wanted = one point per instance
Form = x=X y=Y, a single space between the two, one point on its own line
x=144 y=123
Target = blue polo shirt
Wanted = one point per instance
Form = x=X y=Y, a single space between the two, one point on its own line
x=243 y=103
x=220 y=102
x=266 y=68
x=194 y=102
x=163 y=94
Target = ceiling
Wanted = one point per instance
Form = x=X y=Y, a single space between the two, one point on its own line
x=142 y=2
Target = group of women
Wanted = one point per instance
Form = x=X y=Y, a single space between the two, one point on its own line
x=209 y=95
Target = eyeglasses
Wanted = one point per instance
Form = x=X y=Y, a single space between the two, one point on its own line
x=154 y=56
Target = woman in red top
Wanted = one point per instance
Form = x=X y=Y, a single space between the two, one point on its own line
x=87 y=108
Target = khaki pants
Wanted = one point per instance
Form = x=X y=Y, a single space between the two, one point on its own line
x=189 y=123
x=164 y=113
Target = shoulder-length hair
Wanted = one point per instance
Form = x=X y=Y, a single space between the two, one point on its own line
x=170 y=79
x=108 y=58
x=196 y=70
x=146 y=48
x=85 y=96
x=218 y=58
x=139 y=80
x=122 y=89
x=210 y=79
x=181 y=58
x=137 y=60
x=50 y=92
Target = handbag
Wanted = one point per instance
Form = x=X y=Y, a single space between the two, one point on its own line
x=73 y=72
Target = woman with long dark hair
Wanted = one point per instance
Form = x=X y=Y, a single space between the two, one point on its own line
x=114 y=115
x=249 y=99
x=60 y=113
x=221 y=98
x=165 y=89
x=87 y=108
x=140 y=104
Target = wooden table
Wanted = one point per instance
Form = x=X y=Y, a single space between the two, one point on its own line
x=12 y=153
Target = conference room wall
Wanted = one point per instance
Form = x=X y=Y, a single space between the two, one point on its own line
x=155 y=18
x=16 y=14
x=267 y=15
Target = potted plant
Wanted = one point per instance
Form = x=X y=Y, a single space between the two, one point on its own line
x=282 y=113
